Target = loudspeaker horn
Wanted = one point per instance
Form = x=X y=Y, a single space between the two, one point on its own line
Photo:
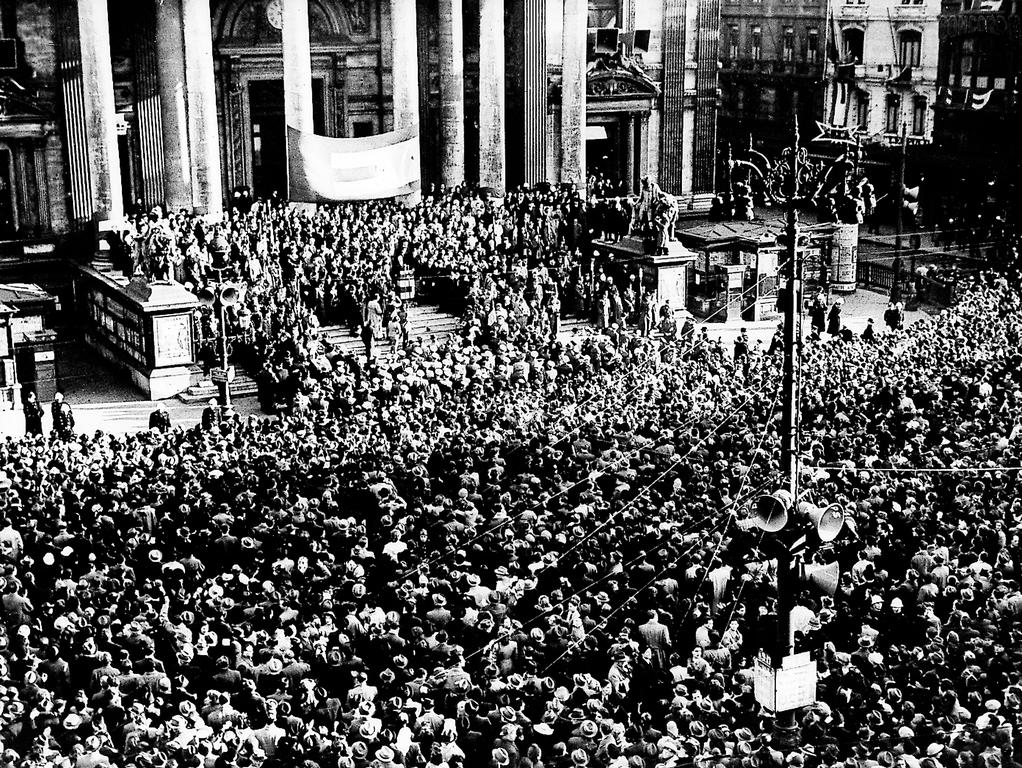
x=606 y=40
x=771 y=512
x=206 y=297
x=824 y=577
x=229 y=296
x=828 y=521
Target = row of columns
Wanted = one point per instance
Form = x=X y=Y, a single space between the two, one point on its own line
x=492 y=160
x=191 y=145
x=191 y=151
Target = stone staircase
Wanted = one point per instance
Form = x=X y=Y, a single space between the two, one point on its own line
x=202 y=389
x=423 y=320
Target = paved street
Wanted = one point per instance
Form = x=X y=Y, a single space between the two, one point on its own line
x=103 y=399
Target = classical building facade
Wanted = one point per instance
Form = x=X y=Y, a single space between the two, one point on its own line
x=885 y=78
x=108 y=104
x=773 y=55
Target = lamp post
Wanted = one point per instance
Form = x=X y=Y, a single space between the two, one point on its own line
x=787 y=732
x=219 y=295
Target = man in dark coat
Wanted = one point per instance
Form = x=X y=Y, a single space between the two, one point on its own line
x=211 y=415
x=64 y=423
x=160 y=419
x=33 y=415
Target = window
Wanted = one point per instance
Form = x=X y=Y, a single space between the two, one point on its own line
x=732 y=45
x=257 y=143
x=974 y=60
x=788 y=49
x=892 y=120
x=813 y=45
x=853 y=39
x=757 y=43
x=862 y=110
x=768 y=102
x=604 y=13
x=970 y=57
x=910 y=43
x=752 y=100
x=919 y=116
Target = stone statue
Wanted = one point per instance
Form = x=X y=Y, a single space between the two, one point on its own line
x=159 y=251
x=655 y=213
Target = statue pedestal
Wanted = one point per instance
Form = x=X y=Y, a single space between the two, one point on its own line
x=144 y=328
x=668 y=274
x=664 y=274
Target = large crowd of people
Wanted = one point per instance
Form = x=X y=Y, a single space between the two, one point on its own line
x=502 y=549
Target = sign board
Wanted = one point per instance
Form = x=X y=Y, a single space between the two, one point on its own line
x=763 y=687
x=795 y=687
x=222 y=375
x=792 y=686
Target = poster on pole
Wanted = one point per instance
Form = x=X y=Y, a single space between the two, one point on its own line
x=790 y=686
x=322 y=169
x=763 y=683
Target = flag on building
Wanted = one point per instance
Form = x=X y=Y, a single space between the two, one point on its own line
x=323 y=169
x=979 y=100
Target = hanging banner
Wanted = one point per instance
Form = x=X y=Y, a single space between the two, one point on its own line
x=978 y=100
x=322 y=169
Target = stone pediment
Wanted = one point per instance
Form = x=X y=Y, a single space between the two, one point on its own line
x=624 y=82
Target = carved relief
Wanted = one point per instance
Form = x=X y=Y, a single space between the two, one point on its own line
x=620 y=82
x=359 y=15
x=245 y=21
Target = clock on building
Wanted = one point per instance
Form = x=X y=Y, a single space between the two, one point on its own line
x=275 y=13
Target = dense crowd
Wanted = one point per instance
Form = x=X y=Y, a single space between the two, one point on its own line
x=500 y=549
x=343 y=264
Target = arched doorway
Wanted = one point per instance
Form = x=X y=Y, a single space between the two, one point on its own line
x=347 y=83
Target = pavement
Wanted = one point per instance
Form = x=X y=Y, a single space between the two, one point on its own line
x=858 y=308
x=103 y=399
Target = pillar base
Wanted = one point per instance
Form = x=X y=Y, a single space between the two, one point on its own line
x=786 y=738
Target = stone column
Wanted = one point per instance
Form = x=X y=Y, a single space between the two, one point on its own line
x=170 y=52
x=492 y=156
x=630 y=124
x=101 y=133
x=452 y=93
x=405 y=56
x=404 y=47
x=297 y=66
x=573 y=93
x=203 y=127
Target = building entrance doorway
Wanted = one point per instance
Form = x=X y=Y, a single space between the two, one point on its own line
x=269 y=141
x=612 y=150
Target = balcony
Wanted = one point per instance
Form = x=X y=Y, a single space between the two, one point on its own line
x=772 y=68
x=849 y=12
x=914 y=11
x=849 y=72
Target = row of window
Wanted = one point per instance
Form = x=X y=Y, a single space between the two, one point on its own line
x=768 y=102
x=910 y=45
x=892 y=113
x=810 y=49
x=903 y=2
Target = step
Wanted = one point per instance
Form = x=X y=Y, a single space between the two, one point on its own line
x=202 y=390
